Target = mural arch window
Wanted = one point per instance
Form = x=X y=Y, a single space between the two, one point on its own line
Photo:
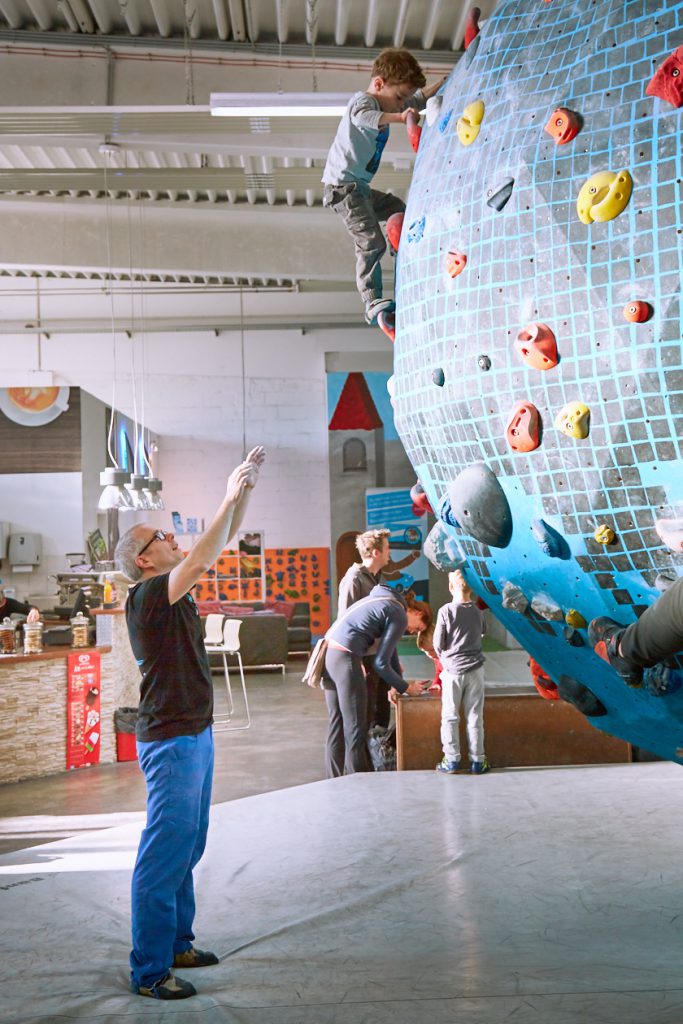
x=354 y=456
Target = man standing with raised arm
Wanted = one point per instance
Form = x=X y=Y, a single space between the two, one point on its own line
x=174 y=738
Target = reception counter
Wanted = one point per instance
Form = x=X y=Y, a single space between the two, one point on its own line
x=34 y=697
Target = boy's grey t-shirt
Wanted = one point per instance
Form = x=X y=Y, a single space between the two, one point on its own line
x=457 y=637
x=357 y=148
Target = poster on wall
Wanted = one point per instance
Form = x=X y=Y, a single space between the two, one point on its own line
x=83 y=710
x=391 y=508
x=34 y=407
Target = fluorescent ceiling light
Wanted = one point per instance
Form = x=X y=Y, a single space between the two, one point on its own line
x=278 y=104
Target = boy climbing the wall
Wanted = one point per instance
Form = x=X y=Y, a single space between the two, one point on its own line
x=396 y=88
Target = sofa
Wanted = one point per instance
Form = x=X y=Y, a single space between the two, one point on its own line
x=269 y=632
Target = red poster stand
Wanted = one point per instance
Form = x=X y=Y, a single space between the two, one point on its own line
x=83 y=710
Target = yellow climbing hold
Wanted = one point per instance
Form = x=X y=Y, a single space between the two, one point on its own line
x=575 y=618
x=604 y=535
x=469 y=124
x=604 y=196
x=574 y=420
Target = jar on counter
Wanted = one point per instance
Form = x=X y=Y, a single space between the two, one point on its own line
x=79 y=630
x=33 y=637
x=7 y=637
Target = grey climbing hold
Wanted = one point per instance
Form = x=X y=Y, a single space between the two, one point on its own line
x=480 y=506
x=514 y=599
x=438 y=376
x=581 y=697
x=417 y=230
x=573 y=637
x=499 y=196
x=549 y=540
x=484 y=363
x=445 y=512
x=546 y=608
x=471 y=51
x=443 y=550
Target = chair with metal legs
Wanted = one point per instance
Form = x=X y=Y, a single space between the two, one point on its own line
x=224 y=638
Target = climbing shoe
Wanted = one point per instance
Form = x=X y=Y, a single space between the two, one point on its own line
x=375 y=306
x=479 y=767
x=604 y=636
x=446 y=767
x=168 y=987
x=194 y=958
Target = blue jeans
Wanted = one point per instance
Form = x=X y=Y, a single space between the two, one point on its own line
x=178 y=773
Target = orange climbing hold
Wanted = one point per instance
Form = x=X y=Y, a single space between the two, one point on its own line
x=455 y=262
x=564 y=125
x=537 y=346
x=638 y=312
x=413 y=129
x=387 y=321
x=472 y=25
x=394 y=229
x=667 y=81
x=523 y=429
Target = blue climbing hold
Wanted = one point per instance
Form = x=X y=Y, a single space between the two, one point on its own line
x=443 y=123
x=549 y=540
x=438 y=376
x=480 y=506
x=661 y=680
x=417 y=230
x=445 y=512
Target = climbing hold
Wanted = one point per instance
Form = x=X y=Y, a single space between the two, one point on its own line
x=537 y=346
x=574 y=692
x=471 y=51
x=413 y=129
x=549 y=540
x=661 y=680
x=523 y=430
x=438 y=376
x=433 y=108
x=417 y=493
x=470 y=122
x=667 y=81
x=542 y=681
x=455 y=262
x=564 y=125
x=445 y=512
x=670 y=532
x=417 y=230
x=421 y=505
x=444 y=122
x=574 y=420
x=387 y=321
x=442 y=549
x=604 y=535
x=472 y=25
x=393 y=229
x=514 y=599
x=664 y=580
x=573 y=637
x=575 y=618
x=480 y=506
x=604 y=196
x=500 y=195
x=483 y=362
x=546 y=608
x=638 y=312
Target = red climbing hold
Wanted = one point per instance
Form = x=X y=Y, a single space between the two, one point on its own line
x=455 y=262
x=638 y=312
x=522 y=432
x=421 y=505
x=394 y=228
x=387 y=321
x=564 y=125
x=537 y=346
x=542 y=681
x=413 y=129
x=667 y=81
x=472 y=25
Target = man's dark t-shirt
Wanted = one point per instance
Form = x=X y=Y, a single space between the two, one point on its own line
x=176 y=692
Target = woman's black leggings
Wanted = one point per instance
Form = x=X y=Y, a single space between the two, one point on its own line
x=346 y=696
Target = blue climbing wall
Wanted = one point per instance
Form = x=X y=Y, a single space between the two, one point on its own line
x=535 y=261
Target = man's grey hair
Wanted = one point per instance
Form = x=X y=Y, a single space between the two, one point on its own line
x=126 y=553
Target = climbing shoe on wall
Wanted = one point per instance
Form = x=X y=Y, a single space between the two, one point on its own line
x=604 y=636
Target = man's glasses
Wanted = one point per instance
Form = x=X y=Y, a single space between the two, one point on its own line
x=157 y=535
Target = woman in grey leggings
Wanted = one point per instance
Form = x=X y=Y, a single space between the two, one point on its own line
x=384 y=616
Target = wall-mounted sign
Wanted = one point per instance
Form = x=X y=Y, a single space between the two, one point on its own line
x=34 y=407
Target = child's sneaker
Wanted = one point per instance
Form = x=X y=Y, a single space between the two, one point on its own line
x=479 y=767
x=375 y=306
x=604 y=636
x=446 y=767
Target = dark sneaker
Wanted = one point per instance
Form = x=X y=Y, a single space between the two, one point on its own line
x=604 y=636
x=376 y=306
x=193 y=957
x=479 y=767
x=446 y=767
x=169 y=987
